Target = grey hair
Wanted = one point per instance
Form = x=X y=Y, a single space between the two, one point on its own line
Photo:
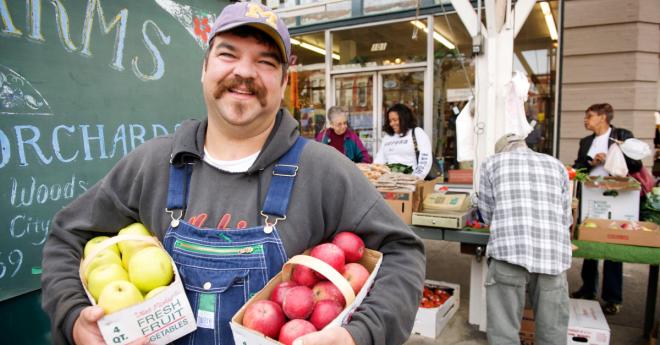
x=334 y=111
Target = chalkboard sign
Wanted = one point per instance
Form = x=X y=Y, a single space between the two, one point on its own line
x=82 y=83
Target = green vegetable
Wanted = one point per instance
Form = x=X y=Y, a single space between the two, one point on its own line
x=651 y=208
x=400 y=168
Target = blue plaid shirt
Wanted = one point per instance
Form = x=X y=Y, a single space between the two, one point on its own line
x=524 y=196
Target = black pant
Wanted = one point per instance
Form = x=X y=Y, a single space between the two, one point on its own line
x=612 y=280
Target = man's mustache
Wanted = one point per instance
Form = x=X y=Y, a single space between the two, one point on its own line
x=245 y=84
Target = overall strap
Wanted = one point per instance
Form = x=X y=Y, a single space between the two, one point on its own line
x=281 y=184
x=177 y=190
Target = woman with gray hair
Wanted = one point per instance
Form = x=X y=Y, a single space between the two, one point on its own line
x=343 y=138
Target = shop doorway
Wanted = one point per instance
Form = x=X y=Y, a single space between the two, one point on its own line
x=368 y=95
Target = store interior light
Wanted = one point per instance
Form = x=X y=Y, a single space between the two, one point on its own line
x=549 y=20
x=312 y=48
x=436 y=35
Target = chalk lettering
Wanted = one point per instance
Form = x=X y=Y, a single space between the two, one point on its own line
x=23 y=225
x=137 y=132
x=7 y=23
x=42 y=193
x=32 y=142
x=87 y=139
x=31 y=147
x=120 y=36
x=56 y=143
x=159 y=64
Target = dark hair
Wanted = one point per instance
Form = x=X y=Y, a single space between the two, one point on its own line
x=261 y=37
x=602 y=109
x=406 y=119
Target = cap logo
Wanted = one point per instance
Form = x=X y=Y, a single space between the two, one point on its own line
x=254 y=11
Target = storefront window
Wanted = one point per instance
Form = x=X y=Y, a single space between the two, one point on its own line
x=381 y=6
x=453 y=84
x=305 y=94
x=311 y=11
x=379 y=45
x=535 y=54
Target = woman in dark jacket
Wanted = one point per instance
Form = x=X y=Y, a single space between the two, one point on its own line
x=591 y=157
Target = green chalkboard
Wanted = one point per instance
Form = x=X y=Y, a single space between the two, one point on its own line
x=82 y=83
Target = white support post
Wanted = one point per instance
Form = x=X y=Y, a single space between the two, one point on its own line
x=477 y=313
x=494 y=69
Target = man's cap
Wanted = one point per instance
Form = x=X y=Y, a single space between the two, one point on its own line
x=506 y=140
x=257 y=16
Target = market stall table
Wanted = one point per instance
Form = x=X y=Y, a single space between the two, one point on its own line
x=586 y=249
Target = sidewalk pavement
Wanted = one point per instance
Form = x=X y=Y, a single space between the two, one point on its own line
x=446 y=263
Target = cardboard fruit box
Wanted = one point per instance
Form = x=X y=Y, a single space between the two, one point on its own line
x=645 y=234
x=163 y=318
x=371 y=260
x=587 y=324
x=429 y=322
x=404 y=202
x=610 y=198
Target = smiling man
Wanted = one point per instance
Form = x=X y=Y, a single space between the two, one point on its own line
x=228 y=181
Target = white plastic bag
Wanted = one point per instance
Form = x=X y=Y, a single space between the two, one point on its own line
x=515 y=97
x=465 y=134
x=635 y=149
x=615 y=163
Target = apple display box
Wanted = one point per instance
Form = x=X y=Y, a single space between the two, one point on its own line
x=404 y=202
x=645 y=234
x=429 y=322
x=163 y=318
x=587 y=324
x=610 y=198
x=371 y=261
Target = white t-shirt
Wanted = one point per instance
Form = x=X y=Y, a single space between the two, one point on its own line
x=397 y=149
x=600 y=144
x=235 y=166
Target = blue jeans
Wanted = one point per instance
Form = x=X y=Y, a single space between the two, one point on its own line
x=612 y=290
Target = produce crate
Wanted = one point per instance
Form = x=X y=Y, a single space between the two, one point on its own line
x=371 y=260
x=163 y=318
x=429 y=322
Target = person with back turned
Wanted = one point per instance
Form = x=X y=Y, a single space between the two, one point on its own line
x=524 y=196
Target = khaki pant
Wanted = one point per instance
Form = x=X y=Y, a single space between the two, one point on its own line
x=506 y=286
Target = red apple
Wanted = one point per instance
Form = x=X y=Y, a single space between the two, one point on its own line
x=351 y=244
x=331 y=255
x=326 y=290
x=324 y=312
x=265 y=317
x=356 y=275
x=298 y=302
x=295 y=329
x=277 y=295
x=303 y=275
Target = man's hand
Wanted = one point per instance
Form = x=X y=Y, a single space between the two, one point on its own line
x=86 y=330
x=328 y=336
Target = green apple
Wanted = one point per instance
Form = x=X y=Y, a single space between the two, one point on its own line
x=103 y=275
x=128 y=248
x=117 y=295
x=91 y=244
x=103 y=258
x=154 y=292
x=150 y=268
x=590 y=225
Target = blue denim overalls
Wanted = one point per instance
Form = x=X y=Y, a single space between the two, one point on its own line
x=222 y=269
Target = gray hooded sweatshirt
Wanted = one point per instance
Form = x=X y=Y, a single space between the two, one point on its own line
x=330 y=195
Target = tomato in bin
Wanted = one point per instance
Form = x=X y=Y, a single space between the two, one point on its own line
x=434 y=296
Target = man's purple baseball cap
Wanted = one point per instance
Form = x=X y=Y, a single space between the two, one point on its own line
x=257 y=16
